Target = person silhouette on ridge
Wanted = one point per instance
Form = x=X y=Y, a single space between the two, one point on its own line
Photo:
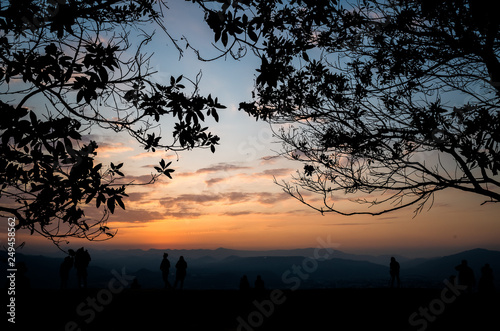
x=135 y=284
x=22 y=280
x=82 y=260
x=486 y=284
x=65 y=268
x=165 y=270
x=260 y=287
x=394 y=272
x=180 y=273
x=259 y=284
x=466 y=276
x=244 y=284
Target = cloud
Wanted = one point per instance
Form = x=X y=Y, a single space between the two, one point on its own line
x=195 y=205
x=190 y=198
x=183 y=214
x=132 y=226
x=355 y=224
x=272 y=198
x=239 y=213
x=123 y=216
x=135 y=216
x=186 y=205
x=271 y=159
x=270 y=173
x=157 y=155
x=266 y=211
x=136 y=196
x=220 y=167
x=205 y=198
x=106 y=149
x=238 y=197
x=213 y=181
x=249 y=212
x=228 y=198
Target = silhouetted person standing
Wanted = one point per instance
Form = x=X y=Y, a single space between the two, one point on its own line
x=244 y=284
x=180 y=273
x=259 y=284
x=135 y=284
x=165 y=270
x=465 y=276
x=260 y=287
x=22 y=281
x=394 y=272
x=486 y=284
x=65 y=268
x=82 y=260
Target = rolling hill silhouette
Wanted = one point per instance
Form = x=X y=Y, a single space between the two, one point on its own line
x=441 y=268
x=222 y=268
x=339 y=294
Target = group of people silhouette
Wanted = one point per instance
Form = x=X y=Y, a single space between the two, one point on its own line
x=465 y=276
x=80 y=260
x=245 y=284
x=180 y=273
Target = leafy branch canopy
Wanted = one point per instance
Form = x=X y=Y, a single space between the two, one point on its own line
x=67 y=67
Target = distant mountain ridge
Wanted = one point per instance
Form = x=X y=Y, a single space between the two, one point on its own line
x=445 y=266
x=222 y=268
x=223 y=253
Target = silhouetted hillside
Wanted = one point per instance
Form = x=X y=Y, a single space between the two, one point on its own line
x=441 y=268
x=222 y=268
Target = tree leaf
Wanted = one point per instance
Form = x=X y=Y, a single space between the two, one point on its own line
x=120 y=202
x=224 y=38
x=215 y=115
x=111 y=204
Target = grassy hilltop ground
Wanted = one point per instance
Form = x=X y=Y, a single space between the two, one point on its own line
x=322 y=309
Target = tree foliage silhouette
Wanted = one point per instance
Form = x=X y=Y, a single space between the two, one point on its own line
x=68 y=66
x=385 y=102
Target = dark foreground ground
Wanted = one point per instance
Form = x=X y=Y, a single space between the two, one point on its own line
x=325 y=309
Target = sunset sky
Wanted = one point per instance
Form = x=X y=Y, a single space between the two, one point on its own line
x=228 y=199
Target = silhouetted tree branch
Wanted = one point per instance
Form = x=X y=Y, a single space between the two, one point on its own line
x=66 y=66
x=385 y=102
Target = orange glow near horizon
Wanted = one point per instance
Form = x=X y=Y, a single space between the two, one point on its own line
x=385 y=234
x=235 y=204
